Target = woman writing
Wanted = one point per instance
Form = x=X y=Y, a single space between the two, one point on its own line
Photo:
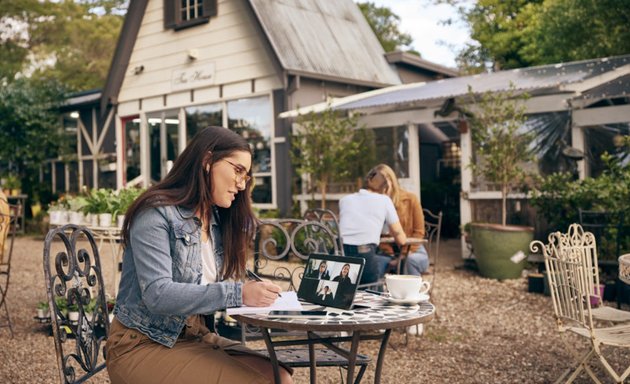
x=184 y=238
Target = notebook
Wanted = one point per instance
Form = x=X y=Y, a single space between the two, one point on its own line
x=331 y=281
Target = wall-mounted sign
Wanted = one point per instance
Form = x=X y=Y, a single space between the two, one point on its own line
x=192 y=77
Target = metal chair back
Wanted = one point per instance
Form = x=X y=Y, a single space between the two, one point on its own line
x=74 y=280
x=433 y=230
x=8 y=231
x=329 y=219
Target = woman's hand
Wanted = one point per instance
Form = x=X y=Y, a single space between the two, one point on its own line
x=259 y=293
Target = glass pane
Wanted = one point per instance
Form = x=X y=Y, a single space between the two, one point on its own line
x=251 y=118
x=162 y=144
x=262 y=190
x=132 y=148
x=392 y=148
x=199 y=117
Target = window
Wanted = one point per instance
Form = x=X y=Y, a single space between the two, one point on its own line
x=251 y=118
x=179 y=14
x=199 y=117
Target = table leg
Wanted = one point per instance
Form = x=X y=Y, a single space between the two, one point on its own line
x=381 y=356
x=272 y=355
x=312 y=358
x=352 y=358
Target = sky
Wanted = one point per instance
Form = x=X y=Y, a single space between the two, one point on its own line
x=435 y=42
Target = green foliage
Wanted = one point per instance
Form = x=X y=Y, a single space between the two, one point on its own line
x=385 y=25
x=325 y=147
x=119 y=203
x=500 y=148
x=29 y=128
x=99 y=201
x=523 y=33
x=559 y=196
x=71 y=41
x=43 y=305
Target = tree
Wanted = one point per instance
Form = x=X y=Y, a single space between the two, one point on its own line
x=71 y=41
x=29 y=128
x=500 y=147
x=327 y=148
x=522 y=33
x=385 y=25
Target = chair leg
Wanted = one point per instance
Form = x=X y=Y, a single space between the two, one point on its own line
x=611 y=371
x=8 y=317
x=580 y=363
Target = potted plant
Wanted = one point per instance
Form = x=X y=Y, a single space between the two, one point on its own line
x=13 y=185
x=501 y=150
x=98 y=204
x=122 y=202
x=43 y=310
x=73 y=312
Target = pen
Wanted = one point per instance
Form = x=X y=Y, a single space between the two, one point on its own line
x=254 y=276
x=374 y=292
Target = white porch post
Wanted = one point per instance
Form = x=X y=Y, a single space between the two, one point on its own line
x=465 y=210
x=145 y=170
x=414 y=158
x=120 y=152
x=577 y=141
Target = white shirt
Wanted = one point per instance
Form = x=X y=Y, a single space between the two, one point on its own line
x=362 y=215
x=208 y=263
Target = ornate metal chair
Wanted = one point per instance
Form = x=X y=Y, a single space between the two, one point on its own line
x=577 y=244
x=570 y=280
x=433 y=229
x=74 y=278
x=329 y=219
x=8 y=230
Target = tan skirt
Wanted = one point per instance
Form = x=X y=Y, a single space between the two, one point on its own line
x=199 y=356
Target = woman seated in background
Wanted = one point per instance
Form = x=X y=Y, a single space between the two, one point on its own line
x=362 y=216
x=411 y=219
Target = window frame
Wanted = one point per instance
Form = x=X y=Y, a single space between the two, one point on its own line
x=172 y=14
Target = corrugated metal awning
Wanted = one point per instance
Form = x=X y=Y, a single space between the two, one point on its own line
x=573 y=77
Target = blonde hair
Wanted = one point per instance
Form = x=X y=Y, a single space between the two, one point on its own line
x=394 y=187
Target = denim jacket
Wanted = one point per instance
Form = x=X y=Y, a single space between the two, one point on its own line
x=161 y=274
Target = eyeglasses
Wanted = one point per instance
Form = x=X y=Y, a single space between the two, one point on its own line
x=240 y=173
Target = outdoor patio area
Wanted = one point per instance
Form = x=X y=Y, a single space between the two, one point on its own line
x=485 y=331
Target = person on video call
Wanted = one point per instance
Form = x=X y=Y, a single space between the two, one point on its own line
x=325 y=295
x=361 y=219
x=321 y=273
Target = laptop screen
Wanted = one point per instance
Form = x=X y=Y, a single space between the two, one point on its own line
x=331 y=280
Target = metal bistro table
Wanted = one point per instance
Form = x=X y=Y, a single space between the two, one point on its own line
x=374 y=313
x=404 y=249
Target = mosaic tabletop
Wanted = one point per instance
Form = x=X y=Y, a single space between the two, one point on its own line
x=370 y=312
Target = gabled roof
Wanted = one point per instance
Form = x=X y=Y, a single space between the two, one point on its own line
x=574 y=78
x=330 y=38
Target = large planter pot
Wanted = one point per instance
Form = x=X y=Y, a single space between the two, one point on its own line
x=501 y=250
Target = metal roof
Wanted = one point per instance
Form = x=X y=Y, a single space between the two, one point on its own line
x=329 y=38
x=573 y=77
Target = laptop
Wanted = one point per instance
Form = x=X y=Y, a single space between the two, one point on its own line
x=331 y=281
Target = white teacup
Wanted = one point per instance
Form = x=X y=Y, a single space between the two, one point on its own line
x=405 y=287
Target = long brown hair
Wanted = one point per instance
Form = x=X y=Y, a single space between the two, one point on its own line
x=188 y=185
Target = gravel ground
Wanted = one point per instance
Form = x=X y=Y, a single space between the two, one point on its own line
x=485 y=331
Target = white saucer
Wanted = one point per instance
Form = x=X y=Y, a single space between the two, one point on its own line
x=412 y=300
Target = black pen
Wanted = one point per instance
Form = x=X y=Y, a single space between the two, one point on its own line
x=375 y=292
x=254 y=276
